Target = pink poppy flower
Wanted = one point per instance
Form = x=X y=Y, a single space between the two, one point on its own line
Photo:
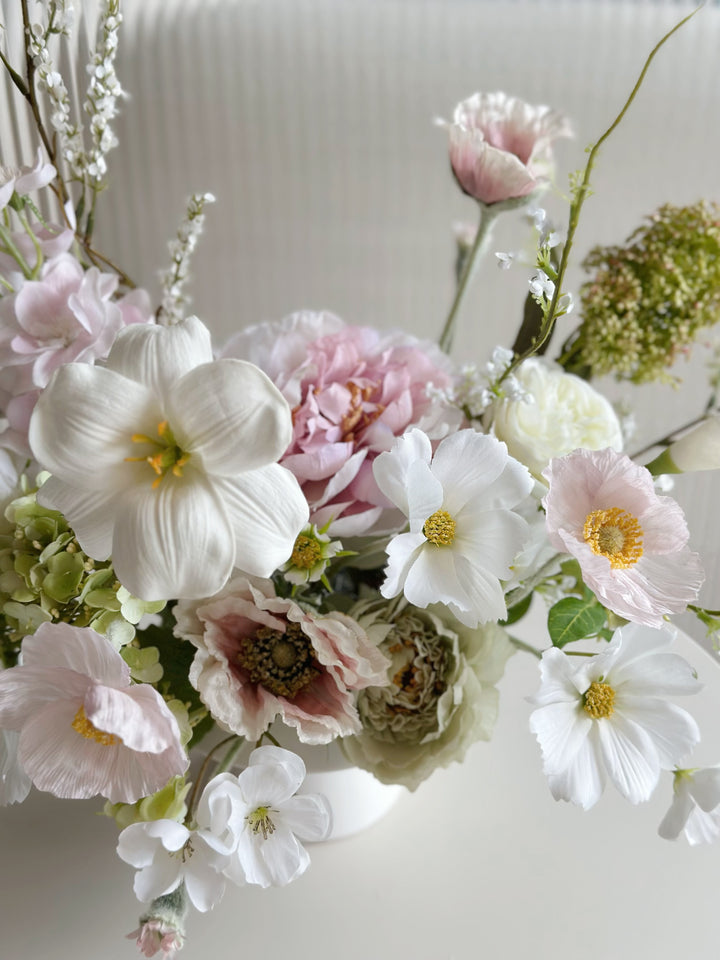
x=501 y=147
x=353 y=390
x=85 y=728
x=631 y=543
x=261 y=656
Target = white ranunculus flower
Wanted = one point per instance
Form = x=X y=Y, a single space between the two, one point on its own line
x=166 y=460
x=565 y=413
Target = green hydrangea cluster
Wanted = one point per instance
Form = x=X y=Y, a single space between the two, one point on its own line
x=649 y=298
x=45 y=576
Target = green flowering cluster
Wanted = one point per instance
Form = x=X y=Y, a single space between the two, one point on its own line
x=649 y=298
x=45 y=576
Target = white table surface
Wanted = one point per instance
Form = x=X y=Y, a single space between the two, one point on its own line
x=479 y=862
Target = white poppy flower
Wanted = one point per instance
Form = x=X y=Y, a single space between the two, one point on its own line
x=164 y=458
x=463 y=535
x=607 y=714
x=269 y=851
x=695 y=808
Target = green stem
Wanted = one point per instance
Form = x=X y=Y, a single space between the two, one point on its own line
x=38 y=251
x=526 y=647
x=581 y=194
x=11 y=248
x=229 y=758
x=487 y=218
x=666 y=440
x=520 y=593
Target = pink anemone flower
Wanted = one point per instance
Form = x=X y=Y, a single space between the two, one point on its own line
x=631 y=544
x=85 y=728
x=261 y=656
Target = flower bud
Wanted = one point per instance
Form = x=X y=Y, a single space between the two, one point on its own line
x=697 y=450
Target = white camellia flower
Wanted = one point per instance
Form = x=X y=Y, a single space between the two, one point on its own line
x=463 y=533
x=164 y=459
x=608 y=714
x=564 y=413
x=695 y=809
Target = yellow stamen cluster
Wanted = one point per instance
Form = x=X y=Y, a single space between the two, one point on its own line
x=259 y=822
x=615 y=534
x=88 y=730
x=599 y=700
x=440 y=528
x=169 y=458
x=306 y=553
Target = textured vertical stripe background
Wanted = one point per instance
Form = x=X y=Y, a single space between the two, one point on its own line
x=311 y=122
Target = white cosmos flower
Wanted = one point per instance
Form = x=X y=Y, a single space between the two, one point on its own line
x=164 y=458
x=607 y=714
x=463 y=534
x=695 y=808
x=274 y=820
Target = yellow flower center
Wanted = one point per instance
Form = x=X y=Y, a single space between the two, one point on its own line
x=599 y=700
x=306 y=553
x=439 y=528
x=168 y=457
x=88 y=730
x=615 y=534
x=259 y=822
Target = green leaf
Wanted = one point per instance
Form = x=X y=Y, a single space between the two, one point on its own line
x=573 y=619
x=517 y=612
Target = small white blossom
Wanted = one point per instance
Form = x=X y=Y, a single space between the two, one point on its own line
x=565 y=304
x=541 y=285
x=695 y=809
x=504 y=260
x=181 y=250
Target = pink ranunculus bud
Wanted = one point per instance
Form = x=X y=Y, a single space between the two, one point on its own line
x=501 y=147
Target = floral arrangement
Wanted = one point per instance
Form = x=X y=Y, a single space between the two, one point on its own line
x=328 y=527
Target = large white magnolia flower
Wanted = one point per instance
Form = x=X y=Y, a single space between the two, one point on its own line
x=463 y=535
x=608 y=714
x=164 y=458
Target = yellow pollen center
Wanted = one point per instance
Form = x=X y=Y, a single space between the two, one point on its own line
x=306 y=553
x=88 y=730
x=599 y=700
x=615 y=534
x=259 y=822
x=167 y=458
x=439 y=528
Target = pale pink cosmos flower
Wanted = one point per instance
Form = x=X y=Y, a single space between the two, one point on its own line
x=631 y=544
x=85 y=728
x=352 y=391
x=501 y=147
x=67 y=315
x=261 y=656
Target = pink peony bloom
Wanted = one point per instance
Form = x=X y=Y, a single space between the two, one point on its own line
x=261 y=656
x=85 y=728
x=353 y=390
x=631 y=544
x=501 y=147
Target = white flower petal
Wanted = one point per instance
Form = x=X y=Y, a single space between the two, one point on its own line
x=14 y=782
x=702 y=827
x=562 y=729
x=285 y=858
x=630 y=757
x=82 y=426
x=402 y=552
x=424 y=494
x=432 y=579
x=139 y=843
x=673 y=731
x=75 y=648
x=293 y=765
x=267 y=785
x=583 y=781
x=308 y=816
x=159 y=356
x=173 y=542
x=204 y=883
x=91 y=514
x=251 y=860
x=118 y=712
x=231 y=415
x=484 y=590
x=705 y=788
x=490 y=540
x=673 y=823
x=162 y=876
x=265 y=510
x=390 y=468
x=466 y=463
